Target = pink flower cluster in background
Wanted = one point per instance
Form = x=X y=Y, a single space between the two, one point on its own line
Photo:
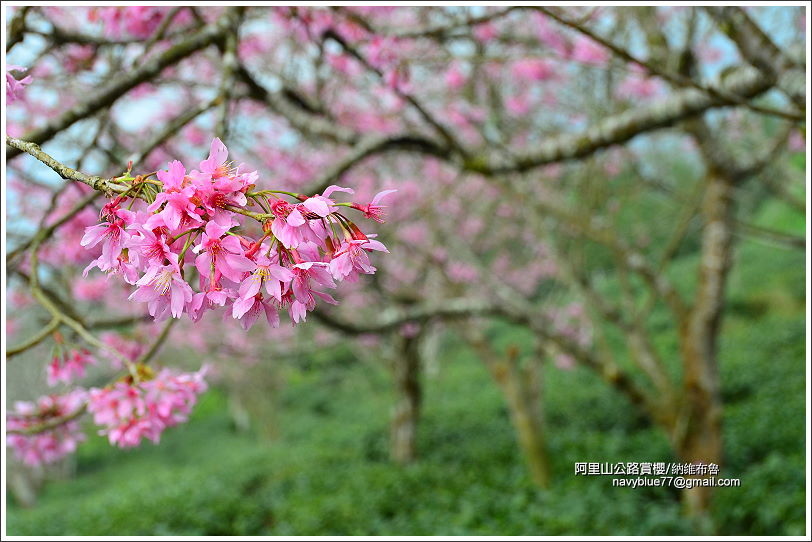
x=136 y=21
x=129 y=412
x=69 y=366
x=51 y=445
x=195 y=231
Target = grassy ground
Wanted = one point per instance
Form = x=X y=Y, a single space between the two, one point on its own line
x=328 y=474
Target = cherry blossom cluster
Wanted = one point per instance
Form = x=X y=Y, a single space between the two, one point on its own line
x=130 y=411
x=160 y=233
x=136 y=21
x=67 y=366
x=127 y=411
x=51 y=445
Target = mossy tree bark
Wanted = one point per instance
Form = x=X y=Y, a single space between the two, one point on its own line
x=408 y=398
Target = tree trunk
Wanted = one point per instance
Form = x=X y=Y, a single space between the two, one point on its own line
x=239 y=414
x=521 y=387
x=408 y=397
x=24 y=482
x=698 y=431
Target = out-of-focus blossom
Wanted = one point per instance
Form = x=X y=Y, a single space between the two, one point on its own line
x=50 y=445
x=69 y=366
x=796 y=141
x=129 y=412
x=533 y=69
x=14 y=87
x=136 y=21
x=587 y=51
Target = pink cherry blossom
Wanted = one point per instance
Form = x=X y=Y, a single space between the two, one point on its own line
x=220 y=254
x=113 y=235
x=149 y=246
x=51 y=445
x=137 y=21
x=195 y=217
x=374 y=210
x=287 y=226
x=247 y=309
x=69 y=366
x=129 y=412
x=272 y=276
x=14 y=87
x=164 y=290
x=534 y=69
x=176 y=195
x=454 y=77
x=587 y=51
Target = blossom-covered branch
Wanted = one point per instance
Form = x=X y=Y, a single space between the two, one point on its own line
x=303 y=247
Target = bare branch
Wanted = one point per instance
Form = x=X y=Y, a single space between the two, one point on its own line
x=393 y=318
x=67 y=173
x=16 y=28
x=760 y=51
x=299 y=118
x=45 y=233
x=172 y=128
x=441 y=130
x=156 y=345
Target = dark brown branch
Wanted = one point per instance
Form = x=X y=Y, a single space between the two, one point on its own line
x=438 y=127
x=172 y=128
x=299 y=117
x=16 y=28
x=438 y=32
x=465 y=308
x=372 y=146
x=52 y=295
x=124 y=321
x=769 y=236
x=390 y=320
x=49 y=230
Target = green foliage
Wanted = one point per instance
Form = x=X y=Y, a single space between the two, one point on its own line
x=329 y=474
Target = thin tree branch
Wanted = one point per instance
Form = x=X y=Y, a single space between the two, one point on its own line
x=298 y=117
x=53 y=423
x=375 y=145
x=745 y=82
x=96 y=183
x=34 y=340
x=156 y=345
